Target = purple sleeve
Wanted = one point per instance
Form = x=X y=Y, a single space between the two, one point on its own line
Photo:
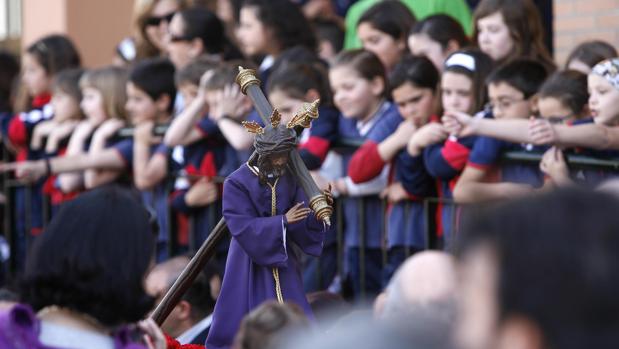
x=309 y=233
x=261 y=238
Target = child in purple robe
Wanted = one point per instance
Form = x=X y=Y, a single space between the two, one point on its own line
x=263 y=206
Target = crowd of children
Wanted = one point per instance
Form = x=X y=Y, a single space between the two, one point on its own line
x=431 y=113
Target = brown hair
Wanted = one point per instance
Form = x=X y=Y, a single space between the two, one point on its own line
x=258 y=328
x=111 y=83
x=193 y=71
x=364 y=62
x=592 y=52
x=570 y=88
x=225 y=74
x=525 y=27
x=483 y=67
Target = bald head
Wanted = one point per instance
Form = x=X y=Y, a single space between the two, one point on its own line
x=163 y=275
x=426 y=278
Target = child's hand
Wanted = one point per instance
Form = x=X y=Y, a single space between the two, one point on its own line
x=26 y=171
x=541 y=132
x=340 y=186
x=203 y=192
x=297 y=213
x=404 y=132
x=62 y=131
x=83 y=130
x=203 y=82
x=143 y=132
x=41 y=131
x=108 y=128
x=394 y=193
x=554 y=166
x=429 y=134
x=228 y=102
x=458 y=123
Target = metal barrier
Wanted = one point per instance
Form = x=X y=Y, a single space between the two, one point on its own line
x=13 y=237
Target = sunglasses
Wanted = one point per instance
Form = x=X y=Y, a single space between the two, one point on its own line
x=155 y=21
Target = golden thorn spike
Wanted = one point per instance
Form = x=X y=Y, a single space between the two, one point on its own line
x=253 y=127
x=276 y=118
x=304 y=117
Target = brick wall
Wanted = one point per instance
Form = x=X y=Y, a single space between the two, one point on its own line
x=579 y=20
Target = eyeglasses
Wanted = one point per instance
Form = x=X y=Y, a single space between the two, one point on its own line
x=155 y=21
x=504 y=103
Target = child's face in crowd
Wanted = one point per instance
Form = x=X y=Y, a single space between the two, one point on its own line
x=353 y=95
x=180 y=51
x=188 y=91
x=457 y=92
x=65 y=106
x=251 y=33
x=508 y=102
x=381 y=44
x=286 y=105
x=414 y=103
x=603 y=100
x=553 y=110
x=34 y=76
x=156 y=33
x=493 y=36
x=140 y=106
x=92 y=105
x=326 y=51
x=423 y=45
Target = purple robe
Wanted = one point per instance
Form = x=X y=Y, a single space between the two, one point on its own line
x=260 y=242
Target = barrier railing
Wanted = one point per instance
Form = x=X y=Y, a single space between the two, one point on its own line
x=15 y=239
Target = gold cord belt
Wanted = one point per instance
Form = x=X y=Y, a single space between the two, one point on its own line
x=278 y=287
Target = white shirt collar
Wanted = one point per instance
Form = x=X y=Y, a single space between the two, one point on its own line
x=267 y=63
x=187 y=336
x=365 y=127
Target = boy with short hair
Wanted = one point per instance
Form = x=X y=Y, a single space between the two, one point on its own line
x=512 y=89
x=150 y=100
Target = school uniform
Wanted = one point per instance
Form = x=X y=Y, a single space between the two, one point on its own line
x=51 y=187
x=591 y=177
x=364 y=215
x=486 y=155
x=408 y=228
x=445 y=162
x=206 y=158
x=155 y=199
x=28 y=201
x=314 y=145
